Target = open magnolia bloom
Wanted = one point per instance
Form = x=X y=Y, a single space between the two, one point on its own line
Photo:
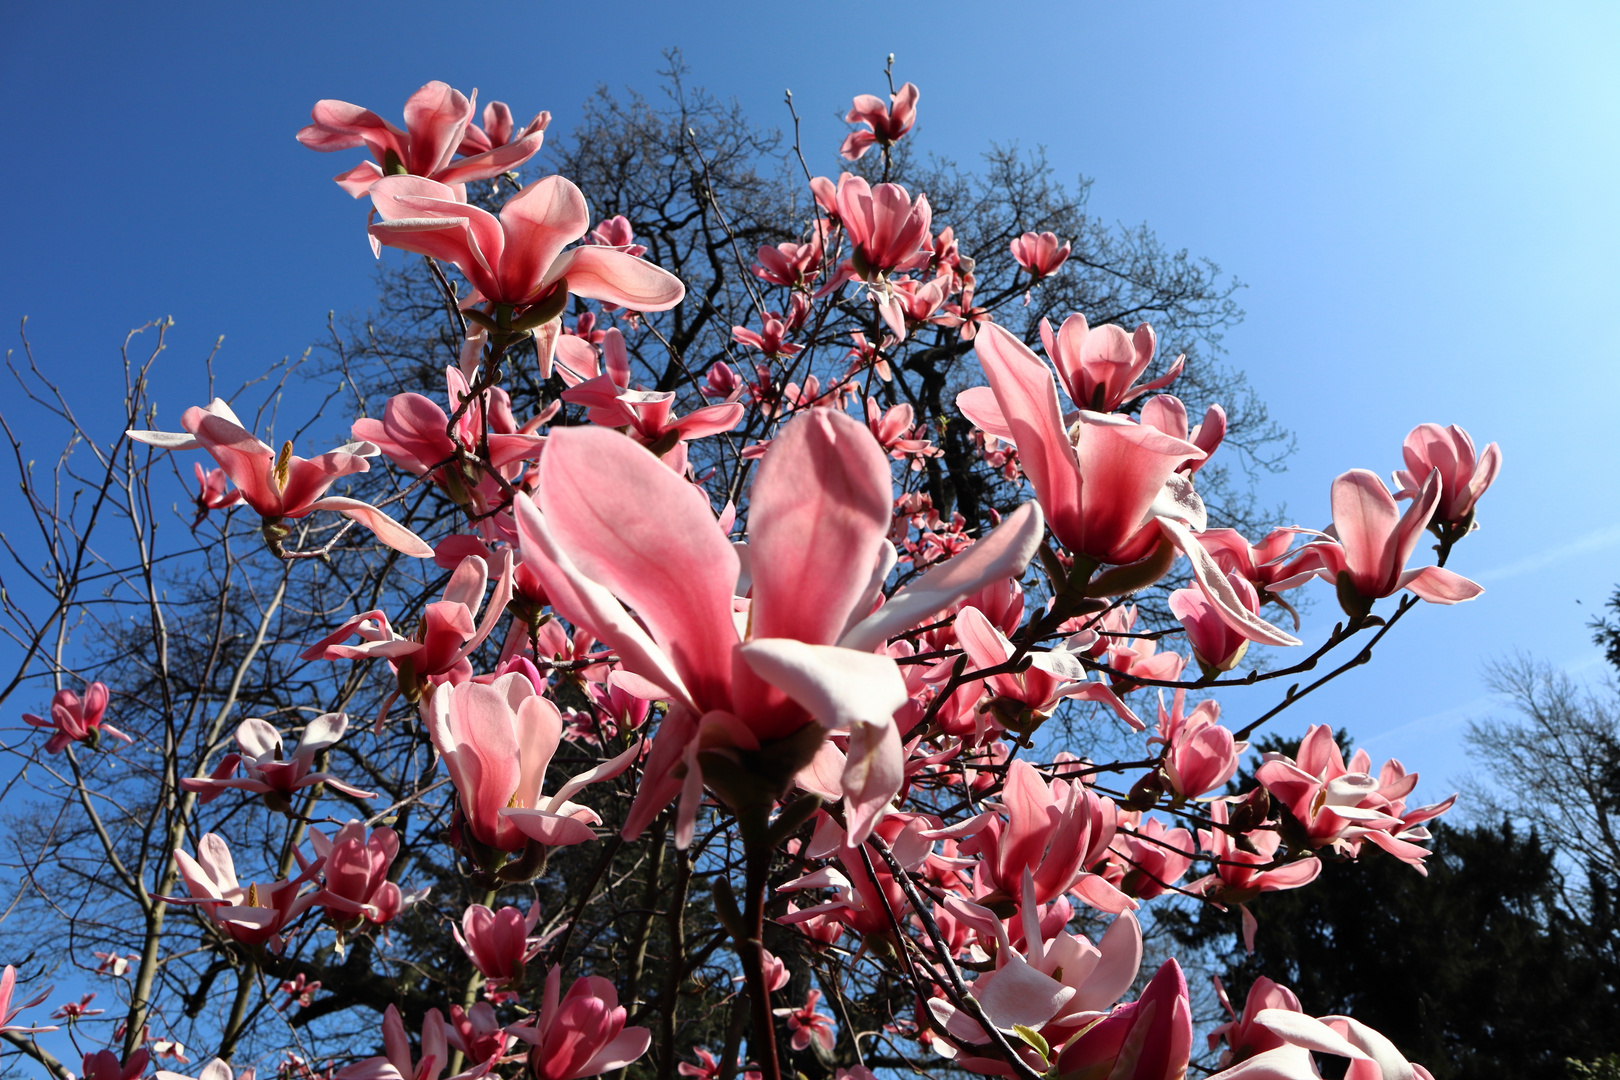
x=1111 y=488
x=517 y=259
x=755 y=682
x=438 y=125
x=497 y=739
x=282 y=485
x=266 y=768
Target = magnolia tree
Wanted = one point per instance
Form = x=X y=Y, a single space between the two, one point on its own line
x=780 y=640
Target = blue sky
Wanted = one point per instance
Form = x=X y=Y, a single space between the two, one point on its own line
x=1420 y=198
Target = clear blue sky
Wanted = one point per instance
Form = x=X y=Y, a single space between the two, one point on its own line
x=1420 y=197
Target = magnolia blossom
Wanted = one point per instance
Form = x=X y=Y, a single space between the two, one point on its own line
x=282 y=485
x=1149 y=1039
x=1052 y=675
x=497 y=739
x=412 y=430
x=266 y=767
x=1243 y=872
x=396 y=1063
x=1216 y=644
x=1464 y=476
x=75 y=719
x=356 y=884
x=647 y=413
x=1109 y=486
x=448 y=633
x=887 y=230
x=1040 y=253
x=214 y=1070
x=251 y=915
x=807 y=1022
x=1199 y=754
x=106 y=1065
x=1148 y=857
x=1276 y=1041
x=1055 y=832
x=1340 y=806
x=211 y=491
x=1099 y=367
x=499 y=943
x=611 y=524
x=499 y=130
x=437 y=124
x=8 y=1012
x=1370 y=541
x=583 y=1033
x=885 y=124
x=517 y=259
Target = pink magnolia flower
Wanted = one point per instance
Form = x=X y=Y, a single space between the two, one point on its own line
x=721 y=381
x=356 y=881
x=106 y=1065
x=616 y=232
x=1244 y=872
x=1244 y=1037
x=865 y=354
x=1167 y=413
x=1040 y=253
x=648 y=413
x=214 y=1070
x=211 y=493
x=583 y=1034
x=282 y=485
x=887 y=230
x=1199 y=754
x=114 y=964
x=897 y=431
x=807 y=1022
x=1340 y=806
x=517 y=260
x=770 y=339
x=412 y=430
x=1148 y=857
x=885 y=124
x=300 y=990
x=77 y=1010
x=499 y=130
x=1292 y=1039
x=1269 y=566
x=1054 y=832
x=611 y=524
x=1109 y=487
x=437 y=652
x=1056 y=983
x=437 y=118
x=1051 y=676
x=1370 y=542
x=74 y=719
x=791 y=265
x=8 y=1013
x=1215 y=643
x=1149 y=1039
x=1099 y=368
x=497 y=739
x=499 y=943
x=251 y=915
x=1463 y=475
x=268 y=770
x=708 y=1067
x=396 y=1063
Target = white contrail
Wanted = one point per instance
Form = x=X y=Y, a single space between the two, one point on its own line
x=1592 y=541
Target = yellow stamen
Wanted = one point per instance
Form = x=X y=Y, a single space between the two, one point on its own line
x=283 y=465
